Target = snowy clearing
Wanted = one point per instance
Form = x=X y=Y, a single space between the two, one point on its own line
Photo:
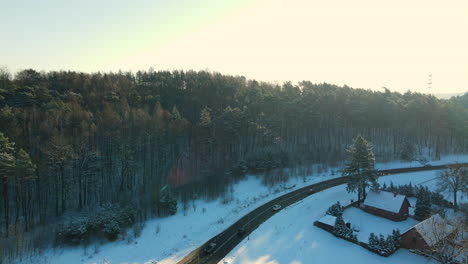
x=169 y=239
x=290 y=237
x=367 y=223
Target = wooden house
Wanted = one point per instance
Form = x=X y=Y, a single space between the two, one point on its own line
x=386 y=204
x=426 y=234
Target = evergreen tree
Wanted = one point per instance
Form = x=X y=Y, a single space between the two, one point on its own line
x=360 y=167
x=373 y=241
x=340 y=229
x=7 y=168
x=335 y=210
x=407 y=152
x=396 y=236
x=205 y=118
x=385 y=245
x=384 y=187
x=167 y=202
x=382 y=244
x=423 y=204
x=175 y=114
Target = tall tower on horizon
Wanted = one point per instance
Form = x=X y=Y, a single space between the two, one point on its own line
x=429 y=83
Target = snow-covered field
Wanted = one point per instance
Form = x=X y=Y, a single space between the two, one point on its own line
x=167 y=240
x=290 y=237
x=367 y=223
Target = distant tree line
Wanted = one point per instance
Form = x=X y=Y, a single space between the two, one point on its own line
x=74 y=141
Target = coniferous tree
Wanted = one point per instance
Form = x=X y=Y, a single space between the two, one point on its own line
x=340 y=229
x=407 y=152
x=336 y=210
x=423 y=204
x=360 y=167
x=396 y=237
x=175 y=114
x=373 y=241
x=7 y=168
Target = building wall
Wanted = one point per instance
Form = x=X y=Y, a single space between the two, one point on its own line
x=324 y=226
x=411 y=239
x=402 y=215
x=404 y=210
x=382 y=213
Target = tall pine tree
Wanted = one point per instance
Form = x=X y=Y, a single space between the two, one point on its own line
x=423 y=204
x=361 y=167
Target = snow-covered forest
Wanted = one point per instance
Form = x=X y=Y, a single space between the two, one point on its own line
x=132 y=145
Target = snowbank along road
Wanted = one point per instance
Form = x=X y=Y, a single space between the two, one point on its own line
x=212 y=251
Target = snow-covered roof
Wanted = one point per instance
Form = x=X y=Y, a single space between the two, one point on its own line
x=434 y=229
x=385 y=200
x=345 y=203
x=328 y=220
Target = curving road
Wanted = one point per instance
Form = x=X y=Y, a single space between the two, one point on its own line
x=228 y=239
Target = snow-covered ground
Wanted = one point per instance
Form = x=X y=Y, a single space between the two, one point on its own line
x=169 y=239
x=367 y=223
x=290 y=237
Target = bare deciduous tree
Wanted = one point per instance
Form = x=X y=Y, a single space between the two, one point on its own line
x=447 y=240
x=454 y=179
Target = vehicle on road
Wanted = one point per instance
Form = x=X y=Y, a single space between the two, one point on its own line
x=210 y=248
x=241 y=231
x=311 y=191
x=276 y=207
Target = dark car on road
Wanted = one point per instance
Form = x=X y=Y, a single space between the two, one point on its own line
x=241 y=231
x=210 y=248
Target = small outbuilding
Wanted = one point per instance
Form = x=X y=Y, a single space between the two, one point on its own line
x=392 y=206
x=327 y=222
x=427 y=233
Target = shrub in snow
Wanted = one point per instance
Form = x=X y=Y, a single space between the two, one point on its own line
x=107 y=222
x=384 y=245
x=266 y=159
x=335 y=210
x=157 y=229
x=137 y=229
x=74 y=231
x=168 y=204
x=111 y=230
x=340 y=229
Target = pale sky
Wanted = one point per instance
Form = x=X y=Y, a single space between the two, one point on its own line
x=361 y=43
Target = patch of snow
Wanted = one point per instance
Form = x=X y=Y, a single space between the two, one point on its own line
x=367 y=223
x=347 y=202
x=328 y=220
